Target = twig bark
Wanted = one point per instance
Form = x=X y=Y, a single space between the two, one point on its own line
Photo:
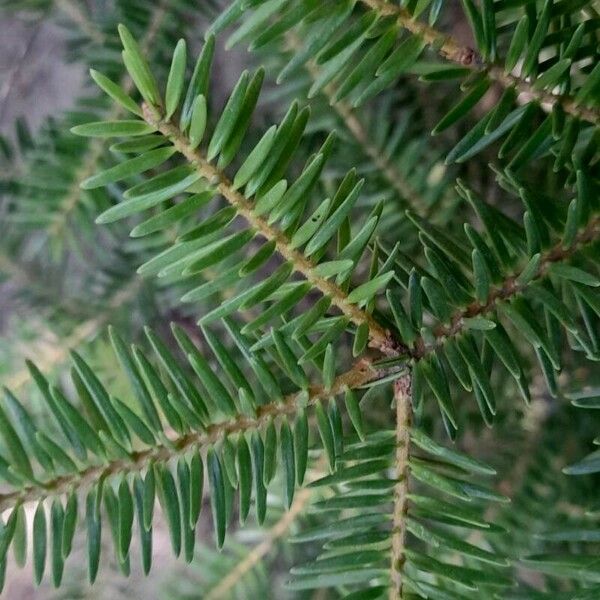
x=360 y=374
x=378 y=335
x=509 y=288
x=402 y=398
x=450 y=49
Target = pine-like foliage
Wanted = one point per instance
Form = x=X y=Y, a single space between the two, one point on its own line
x=377 y=337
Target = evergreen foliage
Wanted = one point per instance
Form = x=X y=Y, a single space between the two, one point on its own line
x=383 y=344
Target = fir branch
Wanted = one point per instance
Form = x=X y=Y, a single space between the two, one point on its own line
x=547 y=100
x=13 y=269
x=28 y=281
x=442 y=563
x=360 y=133
x=402 y=398
x=158 y=18
x=11 y=77
x=382 y=162
x=508 y=289
x=363 y=372
x=532 y=423
x=378 y=335
x=447 y=47
x=450 y=49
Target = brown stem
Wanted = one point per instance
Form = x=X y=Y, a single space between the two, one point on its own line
x=378 y=336
x=446 y=45
x=360 y=374
x=509 y=288
x=402 y=398
x=450 y=49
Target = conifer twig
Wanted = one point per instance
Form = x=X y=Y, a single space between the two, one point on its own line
x=402 y=398
x=359 y=375
x=97 y=147
x=82 y=332
x=76 y=13
x=361 y=135
x=450 y=49
x=509 y=288
x=379 y=337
